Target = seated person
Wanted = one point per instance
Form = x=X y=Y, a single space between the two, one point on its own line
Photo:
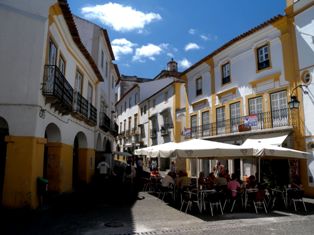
x=211 y=181
x=234 y=185
x=201 y=180
x=251 y=183
x=167 y=180
x=182 y=181
x=221 y=180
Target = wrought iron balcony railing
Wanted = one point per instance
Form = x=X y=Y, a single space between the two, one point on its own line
x=260 y=121
x=80 y=105
x=57 y=89
x=92 y=115
x=106 y=124
x=153 y=133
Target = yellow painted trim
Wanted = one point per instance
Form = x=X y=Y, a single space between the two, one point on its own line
x=274 y=77
x=232 y=91
x=177 y=105
x=289 y=49
x=60 y=166
x=19 y=186
x=55 y=10
x=256 y=57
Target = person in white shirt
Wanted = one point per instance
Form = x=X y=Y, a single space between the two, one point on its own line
x=103 y=168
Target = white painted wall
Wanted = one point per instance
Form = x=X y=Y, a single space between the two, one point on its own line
x=304 y=28
x=23 y=46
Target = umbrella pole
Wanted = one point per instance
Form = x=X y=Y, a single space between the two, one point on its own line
x=259 y=169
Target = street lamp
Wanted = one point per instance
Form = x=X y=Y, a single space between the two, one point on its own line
x=294 y=103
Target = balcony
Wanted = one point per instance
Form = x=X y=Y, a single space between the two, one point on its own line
x=92 y=115
x=106 y=124
x=164 y=130
x=153 y=133
x=249 y=123
x=80 y=106
x=57 y=90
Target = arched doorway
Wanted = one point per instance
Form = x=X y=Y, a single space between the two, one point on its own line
x=4 y=131
x=53 y=135
x=79 y=142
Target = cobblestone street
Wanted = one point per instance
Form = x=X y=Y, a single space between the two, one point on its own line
x=147 y=215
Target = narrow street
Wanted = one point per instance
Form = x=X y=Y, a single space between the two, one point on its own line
x=147 y=215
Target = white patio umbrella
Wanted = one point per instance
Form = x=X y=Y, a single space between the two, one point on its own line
x=161 y=150
x=205 y=149
x=264 y=150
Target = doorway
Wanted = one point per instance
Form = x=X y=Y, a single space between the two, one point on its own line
x=4 y=131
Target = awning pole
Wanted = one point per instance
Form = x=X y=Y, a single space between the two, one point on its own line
x=259 y=169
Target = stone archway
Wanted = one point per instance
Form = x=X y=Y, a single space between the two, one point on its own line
x=4 y=131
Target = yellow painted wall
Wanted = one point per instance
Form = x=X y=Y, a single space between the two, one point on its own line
x=24 y=164
x=59 y=171
x=86 y=164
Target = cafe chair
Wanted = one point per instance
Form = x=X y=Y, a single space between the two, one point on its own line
x=296 y=195
x=189 y=198
x=259 y=202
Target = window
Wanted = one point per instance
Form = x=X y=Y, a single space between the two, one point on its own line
x=256 y=108
x=52 y=54
x=154 y=103
x=205 y=123
x=130 y=123
x=124 y=125
x=279 y=109
x=90 y=93
x=125 y=104
x=199 y=86
x=135 y=121
x=220 y=119
x=107 y=70
x=62 y=65
x=279 y=100
x=78 y=82
x=235 y=116
x=145 y=109
x=120 y=127
x=255 y=105
x=263 y=60
x=142 y=110
x=102 y=59
x=225 y=71
x=194 y=125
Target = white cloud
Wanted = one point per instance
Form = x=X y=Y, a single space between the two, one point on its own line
x=185 y=63
x=120 y=17
x=122 y=46
x=204 y=37
x=148 y=51
x=191 y=46
x=170 y=54
x=192 y=31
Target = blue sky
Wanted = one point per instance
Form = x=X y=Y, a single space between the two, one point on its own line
x=146 y=34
